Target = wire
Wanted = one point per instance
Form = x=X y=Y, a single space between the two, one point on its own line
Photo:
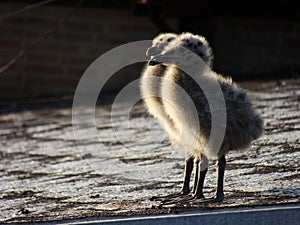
x=35 y=42
x=27 y=8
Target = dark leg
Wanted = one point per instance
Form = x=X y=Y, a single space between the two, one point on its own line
x=219 y=196
x=185 y=190
x=202 y=170
x=196 y=176
x=189 y=164
x=221 y=171
x=197 y=193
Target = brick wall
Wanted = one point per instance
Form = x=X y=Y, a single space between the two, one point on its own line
x=245 y=48
x=55 y=66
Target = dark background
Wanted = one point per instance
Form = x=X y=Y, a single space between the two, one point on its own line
x=251 y=40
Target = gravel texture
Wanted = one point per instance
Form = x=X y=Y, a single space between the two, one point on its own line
x=47 y=175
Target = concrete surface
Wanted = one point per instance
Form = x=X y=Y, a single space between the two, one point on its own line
x=44 y=176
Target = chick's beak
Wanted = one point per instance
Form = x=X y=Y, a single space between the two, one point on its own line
x=149 y=51
x=155 y=60
x=152 y=62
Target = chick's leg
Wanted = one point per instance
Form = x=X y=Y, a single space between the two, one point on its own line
x=185 y=190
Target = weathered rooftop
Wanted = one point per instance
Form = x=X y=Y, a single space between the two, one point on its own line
x=45 y=177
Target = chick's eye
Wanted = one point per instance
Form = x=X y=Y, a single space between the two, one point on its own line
x=169 y=39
